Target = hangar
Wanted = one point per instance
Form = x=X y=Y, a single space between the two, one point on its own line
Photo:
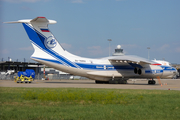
x=19 y=66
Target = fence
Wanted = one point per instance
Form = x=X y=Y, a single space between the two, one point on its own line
x=6 y=77
x=40 y=76
x=53 y=76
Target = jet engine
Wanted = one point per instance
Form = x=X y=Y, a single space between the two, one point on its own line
x=137 y=71
x=152 y=70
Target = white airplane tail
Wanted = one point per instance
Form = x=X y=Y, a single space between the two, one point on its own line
x=46 y=47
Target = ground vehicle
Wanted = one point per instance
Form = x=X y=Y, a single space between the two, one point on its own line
x=25 y=77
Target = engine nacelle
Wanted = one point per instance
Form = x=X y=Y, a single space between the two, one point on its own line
x=151 y=70
x=137 y=71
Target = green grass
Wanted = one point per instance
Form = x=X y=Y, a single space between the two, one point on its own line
x=92 y=104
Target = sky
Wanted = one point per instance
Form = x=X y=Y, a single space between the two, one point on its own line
x=84 y=27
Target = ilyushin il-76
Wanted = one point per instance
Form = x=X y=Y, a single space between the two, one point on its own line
x=49 y=52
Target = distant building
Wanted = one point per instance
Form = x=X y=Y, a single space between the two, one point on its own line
x=118 y=51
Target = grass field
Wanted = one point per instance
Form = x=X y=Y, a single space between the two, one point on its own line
x=90 y=104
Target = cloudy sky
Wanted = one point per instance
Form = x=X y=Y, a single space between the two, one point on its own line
x=84 y=27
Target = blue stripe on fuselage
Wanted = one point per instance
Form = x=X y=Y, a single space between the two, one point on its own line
x=105 y=66
x=168 y=68
x=153 y=71
x=93 y=66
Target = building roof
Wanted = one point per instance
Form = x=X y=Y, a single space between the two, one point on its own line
x=18 y=63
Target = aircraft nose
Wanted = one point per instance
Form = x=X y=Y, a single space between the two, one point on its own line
x=175 y=73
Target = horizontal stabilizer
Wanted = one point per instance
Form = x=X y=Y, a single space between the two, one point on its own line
x=20 y=21
x=37 y=19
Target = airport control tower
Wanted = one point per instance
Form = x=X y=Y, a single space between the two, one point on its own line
x=118 y=51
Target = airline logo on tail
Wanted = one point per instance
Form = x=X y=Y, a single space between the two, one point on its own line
x=50 y=42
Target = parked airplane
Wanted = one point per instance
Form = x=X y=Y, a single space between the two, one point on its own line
x=48 y=51
x=162 y=62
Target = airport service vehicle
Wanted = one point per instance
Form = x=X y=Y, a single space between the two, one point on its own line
x=48 y=51
x=26 y=77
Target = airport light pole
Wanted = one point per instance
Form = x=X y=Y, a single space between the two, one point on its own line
x=109 y=46
x=148 y=52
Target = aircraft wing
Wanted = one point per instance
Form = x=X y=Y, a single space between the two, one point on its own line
x=134 y=61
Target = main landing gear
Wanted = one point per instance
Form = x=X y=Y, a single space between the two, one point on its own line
x=118 y=81
x=152 y=82
x=102 y=82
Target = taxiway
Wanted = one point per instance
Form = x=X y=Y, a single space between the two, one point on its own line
x=167 y=84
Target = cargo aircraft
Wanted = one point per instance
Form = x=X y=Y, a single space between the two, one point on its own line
x=49 y=52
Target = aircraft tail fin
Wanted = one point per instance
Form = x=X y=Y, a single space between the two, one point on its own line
x=42 y=39
x=46 y=47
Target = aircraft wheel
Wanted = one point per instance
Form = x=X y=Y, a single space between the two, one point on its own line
x=152 y=82
x=122 y=82
x=97 y=82
x=149 y=82
x=101 y=82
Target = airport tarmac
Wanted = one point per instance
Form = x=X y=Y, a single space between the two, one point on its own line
x=167 y=84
